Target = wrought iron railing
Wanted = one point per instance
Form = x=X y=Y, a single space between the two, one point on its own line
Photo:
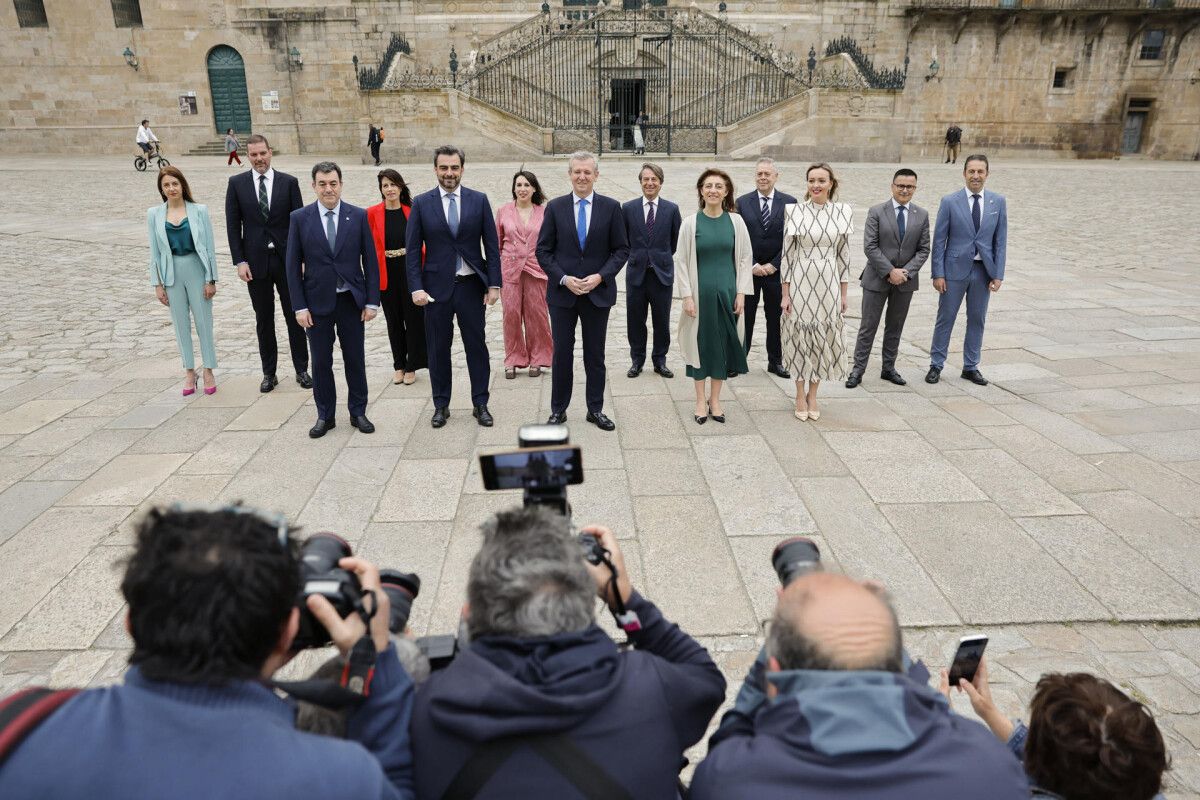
x=875 y=78
x=1055 y=5
x=374 y=77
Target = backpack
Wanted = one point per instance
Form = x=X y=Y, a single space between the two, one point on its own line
x=21 y=713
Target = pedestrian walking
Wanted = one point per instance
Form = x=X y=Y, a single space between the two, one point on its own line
x=231 y=147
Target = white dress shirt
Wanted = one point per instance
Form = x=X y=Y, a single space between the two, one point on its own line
x=770 y=198
x=463 y=267
x=337 y=218
x=587 y=218
x=270 y=176
x=646 y=201
x=971 y=210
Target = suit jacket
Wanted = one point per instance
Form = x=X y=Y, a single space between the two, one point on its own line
x=248 y=232
x=433 y=270
x=377 y=219
x=605 y=250
x=767 y=243
x=884 y=250
x=651 y=249
x=162 y=262
x=955 y=240
x=313 y=270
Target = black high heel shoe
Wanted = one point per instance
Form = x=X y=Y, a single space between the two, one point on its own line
x=716 y=417
x=699 y=419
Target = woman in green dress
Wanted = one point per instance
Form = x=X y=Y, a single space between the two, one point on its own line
x=713 y=275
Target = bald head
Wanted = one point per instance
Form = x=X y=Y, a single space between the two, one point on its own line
x=830 y=622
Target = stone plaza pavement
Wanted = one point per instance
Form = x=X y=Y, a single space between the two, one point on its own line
x=1056 y=510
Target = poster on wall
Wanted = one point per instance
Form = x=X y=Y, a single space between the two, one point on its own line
x=270 y=101
x=187 y=104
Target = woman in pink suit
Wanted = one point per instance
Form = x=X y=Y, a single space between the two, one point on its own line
x=527 y=341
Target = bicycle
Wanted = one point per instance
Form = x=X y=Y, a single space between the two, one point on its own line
x=140 y=162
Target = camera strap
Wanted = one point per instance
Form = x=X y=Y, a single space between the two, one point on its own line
x=354 y=685
x=626 y=620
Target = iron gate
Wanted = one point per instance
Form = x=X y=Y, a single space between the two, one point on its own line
x=689 y=72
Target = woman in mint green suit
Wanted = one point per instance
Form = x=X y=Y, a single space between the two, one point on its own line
x=183 y=271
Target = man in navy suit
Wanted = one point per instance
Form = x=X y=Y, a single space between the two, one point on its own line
x=258 y=208
x=652 y=225
x=970 y=241
x=581 y=248
x=454 y=224
x=334 y=279
x=762 y=211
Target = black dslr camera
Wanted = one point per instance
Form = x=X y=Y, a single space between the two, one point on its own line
x=794 y=557
x=320 y=574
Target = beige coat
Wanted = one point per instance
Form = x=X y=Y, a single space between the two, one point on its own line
x=686 y=278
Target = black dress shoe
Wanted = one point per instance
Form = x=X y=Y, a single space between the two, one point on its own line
x=662 y=369
x=363 y=424
x=975 y=377
x=634 y=371
x=322 y=427
x=440 y=415
x=557 y=418
x=893 y=376
x=304 y=379
x=777 y=369
x=600 y=421
x=853 y=380
x=934 y=375
x=269 y=382
x=483 y=415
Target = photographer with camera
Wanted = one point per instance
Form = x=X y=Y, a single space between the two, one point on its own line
x=830 y=711
x=541 y=702
x=213 y=614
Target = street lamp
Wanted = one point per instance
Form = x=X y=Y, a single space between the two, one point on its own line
x=934 y=68
x=294 y=58
x=131 y=58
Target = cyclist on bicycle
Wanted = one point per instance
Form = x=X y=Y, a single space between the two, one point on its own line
x=146 y=138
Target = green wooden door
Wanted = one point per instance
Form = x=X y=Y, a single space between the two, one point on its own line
x=227 y=80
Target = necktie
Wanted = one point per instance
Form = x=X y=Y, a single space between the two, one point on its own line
x=900 y=221
x=331 y=235
x=452 y=216
x=581 y=223
x=766 y=213
x=975 y=211
x=263 y=206
x=650 y=218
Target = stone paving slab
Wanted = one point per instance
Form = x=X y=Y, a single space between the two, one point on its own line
x=1066 y=493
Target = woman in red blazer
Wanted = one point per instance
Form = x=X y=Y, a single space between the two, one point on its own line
x=405 y=320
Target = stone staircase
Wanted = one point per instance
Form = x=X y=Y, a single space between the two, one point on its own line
x=213 y=147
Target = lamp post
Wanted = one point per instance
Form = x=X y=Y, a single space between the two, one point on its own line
x=294 y=59
x=131 y=59
x=934 y=68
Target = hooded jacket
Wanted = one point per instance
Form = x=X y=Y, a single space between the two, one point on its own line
x=633 y=713
x=865 y=735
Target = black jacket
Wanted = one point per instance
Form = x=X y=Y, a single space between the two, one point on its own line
x=249 y=234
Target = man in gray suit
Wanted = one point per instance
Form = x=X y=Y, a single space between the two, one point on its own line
x=896 y=241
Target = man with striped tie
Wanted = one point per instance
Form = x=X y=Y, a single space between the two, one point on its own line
x=762 y=211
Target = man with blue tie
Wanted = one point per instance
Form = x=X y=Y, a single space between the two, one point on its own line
x=453 y=266
x=333 y=278
x=763 y=211
x=582 y=247
x=652 y=225
x=970 y=240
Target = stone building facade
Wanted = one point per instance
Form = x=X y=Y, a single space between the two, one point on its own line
x=840 y=79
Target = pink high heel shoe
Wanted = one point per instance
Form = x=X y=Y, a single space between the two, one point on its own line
x=210 y=389
x=187 y=391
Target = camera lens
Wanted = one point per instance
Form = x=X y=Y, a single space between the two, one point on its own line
x=321 y=553
x=401 y=589
x=795 y=557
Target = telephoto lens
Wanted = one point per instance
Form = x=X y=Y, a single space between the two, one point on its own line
x=401 y=588
x=794 y=557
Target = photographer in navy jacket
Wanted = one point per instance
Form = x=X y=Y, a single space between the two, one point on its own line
x=212 y=613
x=542 y=701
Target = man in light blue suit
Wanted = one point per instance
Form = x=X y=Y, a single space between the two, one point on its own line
x=969 y=246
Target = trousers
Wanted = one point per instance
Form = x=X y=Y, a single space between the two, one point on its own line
x=187 y=303
x=975 y=290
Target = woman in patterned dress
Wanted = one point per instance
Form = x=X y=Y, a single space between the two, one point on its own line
x=816 y=274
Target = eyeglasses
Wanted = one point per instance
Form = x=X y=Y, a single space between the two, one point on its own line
x=279 y=521
x=904 y=187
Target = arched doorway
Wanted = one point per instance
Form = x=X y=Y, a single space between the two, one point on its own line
x=227 y=81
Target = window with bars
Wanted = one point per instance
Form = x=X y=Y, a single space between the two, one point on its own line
x=127 y=13
x=31 y=13
x=1152 y=45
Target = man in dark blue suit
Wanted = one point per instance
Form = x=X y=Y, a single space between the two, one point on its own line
x=258 y=210
x=652 y=225
x=450 y=226
x=970 y=242
x=581 y=248
x=762 y=210
x=334 y=281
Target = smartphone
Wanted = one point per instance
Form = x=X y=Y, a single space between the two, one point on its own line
x=967 y=658
x=532 y=468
